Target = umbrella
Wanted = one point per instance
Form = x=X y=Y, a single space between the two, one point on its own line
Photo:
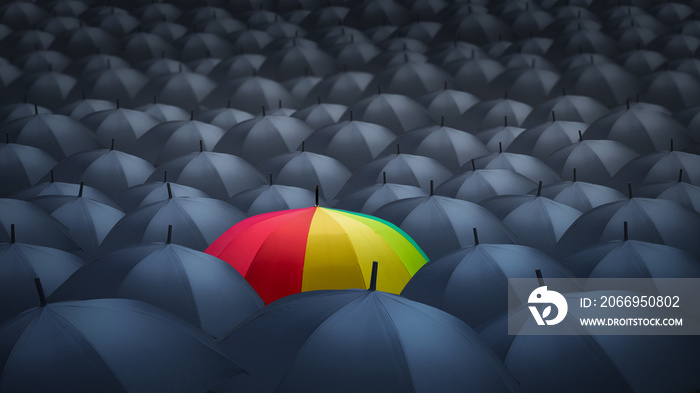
x=375 y=13
x=641 y=61
x=323 y=249
x=89 y=64
x=250 y=94
x=653 y=220
x=86 y=106
x=535 y=220
x=196 y=222
x=412 y=79
x=153 y=12
x=448 y=52
x=238 y=66
x=394 y=58
x=197 y=287
x=300 y=87
x=597 y=161
x=325 y=17
x=450 y=147
x=632 y=37
x=481 y=184
x=590 y=41
x=202 y=14
x=519 y=59
x=354 y=55
x=568 y=108
x=170 y=140
x=582 y=196
x=20 y=263
x=62 y=188
x=40 y=60
x=58 y=135
x=633 y=259
x=144 y=46
x=345 y=341
x=353 y=143
x=608 y=83
x=219 y=175
x=84 y=41
x=474 y=75
x=156 y=67
x=262 y=138
x=250 y=40
x=273 y=197
x=22 y=42
x=620 y=363
x=147 y=193
x=21 y=15
x=307 y=170
x=689 y=65
x=22 y=167
x=321 y=115
x=449 y=104
x=440 y=224
x=531 y=85
x=528 y=166
x=461 y=281
x=196 y=45
x=183 y=89
x=367 y=200
x=203 y=65
x=642 y=130
x=113 y=83
x=114 y=345
x=344 y=88
x=676 y=46
x=47 y=88
x=110 y=171
x=481 y=28
x=401 y=168
x=393 y=111
x=224 y=118
x=675 y=90
x=498 y=138
x=87 y=221
x=488 y=114
x=168 y=30
x=12 y=112
x=583 y=59
x=659 y=167
x=164 y=112
x=34 y=226
x=124 y=125
x=543 y=140
x=117 y=24
x=297 y=61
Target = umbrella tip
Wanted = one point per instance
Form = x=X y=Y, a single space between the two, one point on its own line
x=505 y=121
x=303 y=146
x=629 y=190
x=170 y=190
x=473 y=165
x=554 y=117
x=563 y=91
x=373 y=278
x=318 y=100
x=540 y=279
x=170 y=235
x=384 y=177
x=201 y=146
x=111 y=147
x=398 y=149
x=574 y=174
x=379 y=90
x=191 y=115
x=476 y=237
x=165 y=176
x=83 y=94
x=117 y=103
x=7 y=138
x=628 y=103
x=445 y=85
x=12 y=234
x=350 y=115
x=580 y=136
x=263 y=109
x=505 y=95
x=500 y=147
x=680 y=175
x=228 y=104
x=625 y=233
x=80 y=190
x=671 y=147
x=270 y=178
x=432 y=191
x=36 y=109
x=442 y=121
x=539 y=188
x=40 y=291
x=51 y=174
x=316 y=195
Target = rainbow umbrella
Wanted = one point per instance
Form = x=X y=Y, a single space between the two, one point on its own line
x=291 y=251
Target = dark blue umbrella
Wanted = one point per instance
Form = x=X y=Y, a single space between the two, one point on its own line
x=47 y=88
x=12 y=112
x=608 y=83
x=274 y=197
x=62 y=188
x=440 y=224
x=224 y=118
x=239 y=66
x=500 y=137
x=659 y=167
x=114 y=345
x=34 y=226
x=112 y=84
x=250 y=94
x=40 y=60
x=448 y=104
x=197 y=287
x=674 y=90
x=20 y=263
x=489 y=114
x=121 y=124
x=58 y=135
x=367 y=200
x=307 y=170
x=472 y=283
x=321 y=115
x=196 y=45
x=641 y=61
x=344 y=88
x=393 y=111
x=173 y=139
x=474 y=75
x=145 y=194
x=196 y=222
x=264 y=137
x=528 y=166
x=84 y=41
x=86 y=106
x=347 y=340
x=86 y=65
x=582 y=196
x=21 y=15
x=595 y=161
x=22 y=167
x=183 y=89
x=219 y=175
x=164 y=112
x=543 y=140
x=569 y=108
x=481 y=184
x=110 y=171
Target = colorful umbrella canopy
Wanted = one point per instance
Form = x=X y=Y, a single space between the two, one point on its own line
x=291 y=251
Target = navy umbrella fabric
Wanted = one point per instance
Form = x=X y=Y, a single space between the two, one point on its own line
x=122 y=118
